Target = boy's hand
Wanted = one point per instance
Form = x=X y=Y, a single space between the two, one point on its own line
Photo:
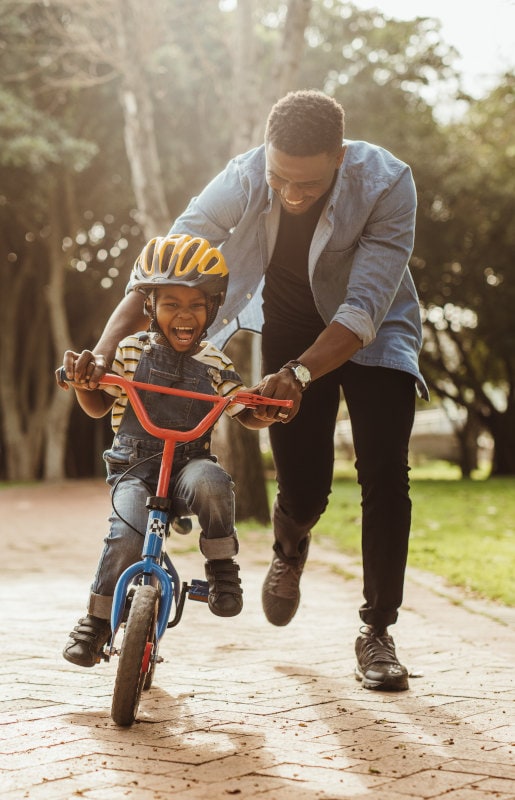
x=84 y=370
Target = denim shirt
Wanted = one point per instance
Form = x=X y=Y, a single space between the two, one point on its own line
x=357 y=260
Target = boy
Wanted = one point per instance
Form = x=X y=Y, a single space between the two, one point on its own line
x=185 y=281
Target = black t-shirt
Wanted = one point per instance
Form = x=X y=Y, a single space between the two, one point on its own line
x=288 y=303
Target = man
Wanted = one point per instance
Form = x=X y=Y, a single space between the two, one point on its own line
x=317 y=232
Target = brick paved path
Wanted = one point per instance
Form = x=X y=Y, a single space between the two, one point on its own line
x=240 y=708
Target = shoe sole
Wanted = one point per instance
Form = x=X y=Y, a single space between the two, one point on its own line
x=399 y=684
x=78 y=662
x=226 y=614
x=271 y=612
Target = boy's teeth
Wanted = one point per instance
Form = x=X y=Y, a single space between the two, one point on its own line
x=186 y=333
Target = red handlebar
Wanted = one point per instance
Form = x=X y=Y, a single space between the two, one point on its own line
x=170 y=436
x=132 y=388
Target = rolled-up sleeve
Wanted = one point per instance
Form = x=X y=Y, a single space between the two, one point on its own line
x=358 y=321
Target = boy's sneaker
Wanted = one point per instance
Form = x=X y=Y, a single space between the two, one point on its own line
x=87 y=640
x=378 y=666
x=280 y=596
x=225 y=594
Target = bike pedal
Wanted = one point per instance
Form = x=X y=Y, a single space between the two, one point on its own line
x=199 y=590
x=105 y=655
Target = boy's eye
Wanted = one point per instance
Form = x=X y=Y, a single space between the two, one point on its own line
x=173 y=305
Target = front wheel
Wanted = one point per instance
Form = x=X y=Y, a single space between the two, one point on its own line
x=136 y=655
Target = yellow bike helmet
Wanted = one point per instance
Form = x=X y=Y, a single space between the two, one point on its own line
x=181 y=259
x=184 y=260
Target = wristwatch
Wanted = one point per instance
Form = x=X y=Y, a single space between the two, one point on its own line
x=301 y=373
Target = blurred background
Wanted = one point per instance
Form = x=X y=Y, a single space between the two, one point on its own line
x=113 y=113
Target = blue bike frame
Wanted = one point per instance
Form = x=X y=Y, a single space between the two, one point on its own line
x=149 y=568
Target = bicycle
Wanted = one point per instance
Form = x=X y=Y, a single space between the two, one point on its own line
x=146 y=591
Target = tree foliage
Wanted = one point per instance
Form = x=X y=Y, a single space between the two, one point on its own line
x=114 y=113
x=464 y=270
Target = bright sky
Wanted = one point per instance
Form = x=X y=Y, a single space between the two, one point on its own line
x=482 y=32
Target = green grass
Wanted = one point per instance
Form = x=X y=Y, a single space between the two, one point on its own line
x=462 y=530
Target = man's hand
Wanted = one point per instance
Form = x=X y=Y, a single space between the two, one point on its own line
x=281 y=385
x=84 y=369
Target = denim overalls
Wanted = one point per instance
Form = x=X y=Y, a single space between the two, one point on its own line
x=198 y=486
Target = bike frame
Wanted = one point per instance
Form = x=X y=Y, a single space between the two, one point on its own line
x=149 y=568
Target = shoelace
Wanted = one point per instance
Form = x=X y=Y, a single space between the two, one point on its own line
x=287 y=576
x=379 y=649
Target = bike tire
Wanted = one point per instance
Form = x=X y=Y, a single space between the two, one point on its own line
x=149 y=677
x=134 y=665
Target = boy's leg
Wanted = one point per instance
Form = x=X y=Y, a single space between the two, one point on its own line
x=122 y=548
x=123 y=545
x=203 y=488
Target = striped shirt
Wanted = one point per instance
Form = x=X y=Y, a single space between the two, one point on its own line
x=127 y=359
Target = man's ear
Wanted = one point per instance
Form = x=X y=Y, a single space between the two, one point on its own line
x=340 y=156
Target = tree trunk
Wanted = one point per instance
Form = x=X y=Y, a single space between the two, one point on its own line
x=22 y=433
x=22 y=438
x=253 y=96
x=60 y=403
x=467 y=436
x=289 y=53
x=139 y=129
x=502 y=429
x=239 y=448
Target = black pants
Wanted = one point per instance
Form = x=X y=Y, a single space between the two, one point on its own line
x=381 y=405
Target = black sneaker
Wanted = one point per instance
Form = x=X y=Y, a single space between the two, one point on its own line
x=225 y=594
x=378 y=666
x=87 y=640
x=281 y=594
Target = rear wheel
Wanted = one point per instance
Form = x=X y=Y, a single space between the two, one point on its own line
x=136 y=663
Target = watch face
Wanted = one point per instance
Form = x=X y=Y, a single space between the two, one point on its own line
x=303 y=374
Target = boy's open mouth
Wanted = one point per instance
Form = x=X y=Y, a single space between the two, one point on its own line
x=183 y=334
